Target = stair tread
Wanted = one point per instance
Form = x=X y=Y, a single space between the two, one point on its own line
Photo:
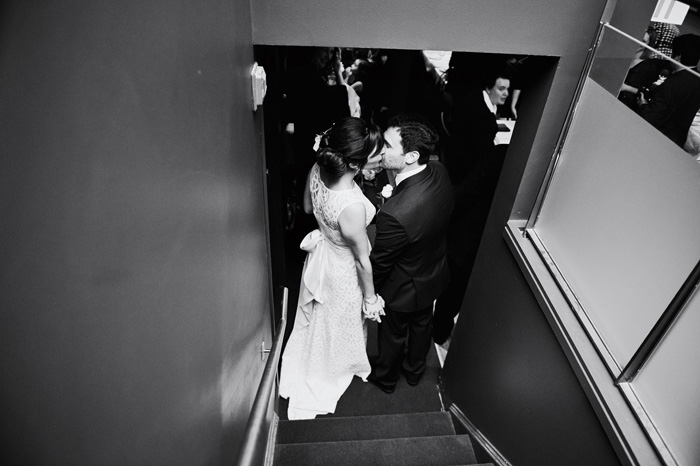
x=387 y=426
x=412 y=451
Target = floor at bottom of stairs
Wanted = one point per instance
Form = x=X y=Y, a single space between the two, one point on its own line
x=363 y=398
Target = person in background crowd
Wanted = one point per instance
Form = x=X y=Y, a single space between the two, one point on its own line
x=473 y=124
x=671 y=106
x=649 y=68
x=474 y=177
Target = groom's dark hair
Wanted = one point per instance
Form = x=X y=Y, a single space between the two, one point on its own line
x=417 y=134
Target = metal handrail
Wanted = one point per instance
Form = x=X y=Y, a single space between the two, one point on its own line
x=661 y=328
x=256 y=436
x=568 y=121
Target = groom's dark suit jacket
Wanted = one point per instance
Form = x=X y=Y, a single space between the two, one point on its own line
x=408 y=259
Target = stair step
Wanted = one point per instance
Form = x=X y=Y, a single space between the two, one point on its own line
x=329 y=429
x=414 y=451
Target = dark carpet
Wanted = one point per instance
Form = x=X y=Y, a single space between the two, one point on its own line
x=363 y=399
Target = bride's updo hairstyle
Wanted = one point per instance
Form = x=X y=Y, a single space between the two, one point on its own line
x=349 y=141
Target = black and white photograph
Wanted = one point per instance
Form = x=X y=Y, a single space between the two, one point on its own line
x=313 y=233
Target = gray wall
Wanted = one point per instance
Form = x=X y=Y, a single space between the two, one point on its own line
x=133 y=258
x=505 y=369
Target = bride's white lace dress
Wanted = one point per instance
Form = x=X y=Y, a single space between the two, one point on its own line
x=327 y=346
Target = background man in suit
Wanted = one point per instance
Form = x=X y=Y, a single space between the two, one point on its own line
x=475 y=179
x=408 y=259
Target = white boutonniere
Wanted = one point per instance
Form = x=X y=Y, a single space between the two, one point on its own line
x=387 y=190
x=384 y=194
x=317 y=142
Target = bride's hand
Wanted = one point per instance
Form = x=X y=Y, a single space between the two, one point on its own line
x=373 y=309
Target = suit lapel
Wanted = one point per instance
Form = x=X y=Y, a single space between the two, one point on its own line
x=413 y=180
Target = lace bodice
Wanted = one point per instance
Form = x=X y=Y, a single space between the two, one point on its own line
x=328 y=204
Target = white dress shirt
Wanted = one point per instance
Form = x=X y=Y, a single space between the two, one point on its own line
x=491 y=107
x=402 y=176
x=488 y=102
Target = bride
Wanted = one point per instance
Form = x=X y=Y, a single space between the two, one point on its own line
x=327 y=347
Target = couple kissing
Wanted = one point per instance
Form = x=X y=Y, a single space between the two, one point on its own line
x=345 y=281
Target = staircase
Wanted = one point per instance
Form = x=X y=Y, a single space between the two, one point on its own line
x=413 y=439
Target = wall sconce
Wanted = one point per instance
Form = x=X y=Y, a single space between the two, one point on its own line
x=259 y=80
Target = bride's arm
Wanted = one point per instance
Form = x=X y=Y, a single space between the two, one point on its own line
x=308 y=207
x=354 y=232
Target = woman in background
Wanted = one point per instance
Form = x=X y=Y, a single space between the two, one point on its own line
x=650 y=68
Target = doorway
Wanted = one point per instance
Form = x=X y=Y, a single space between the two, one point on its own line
x=386 y=82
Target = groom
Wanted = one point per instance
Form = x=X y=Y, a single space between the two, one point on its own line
x=408 y=259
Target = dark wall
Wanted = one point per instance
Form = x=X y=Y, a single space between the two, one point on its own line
x=133 y=257
x=505 y=369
